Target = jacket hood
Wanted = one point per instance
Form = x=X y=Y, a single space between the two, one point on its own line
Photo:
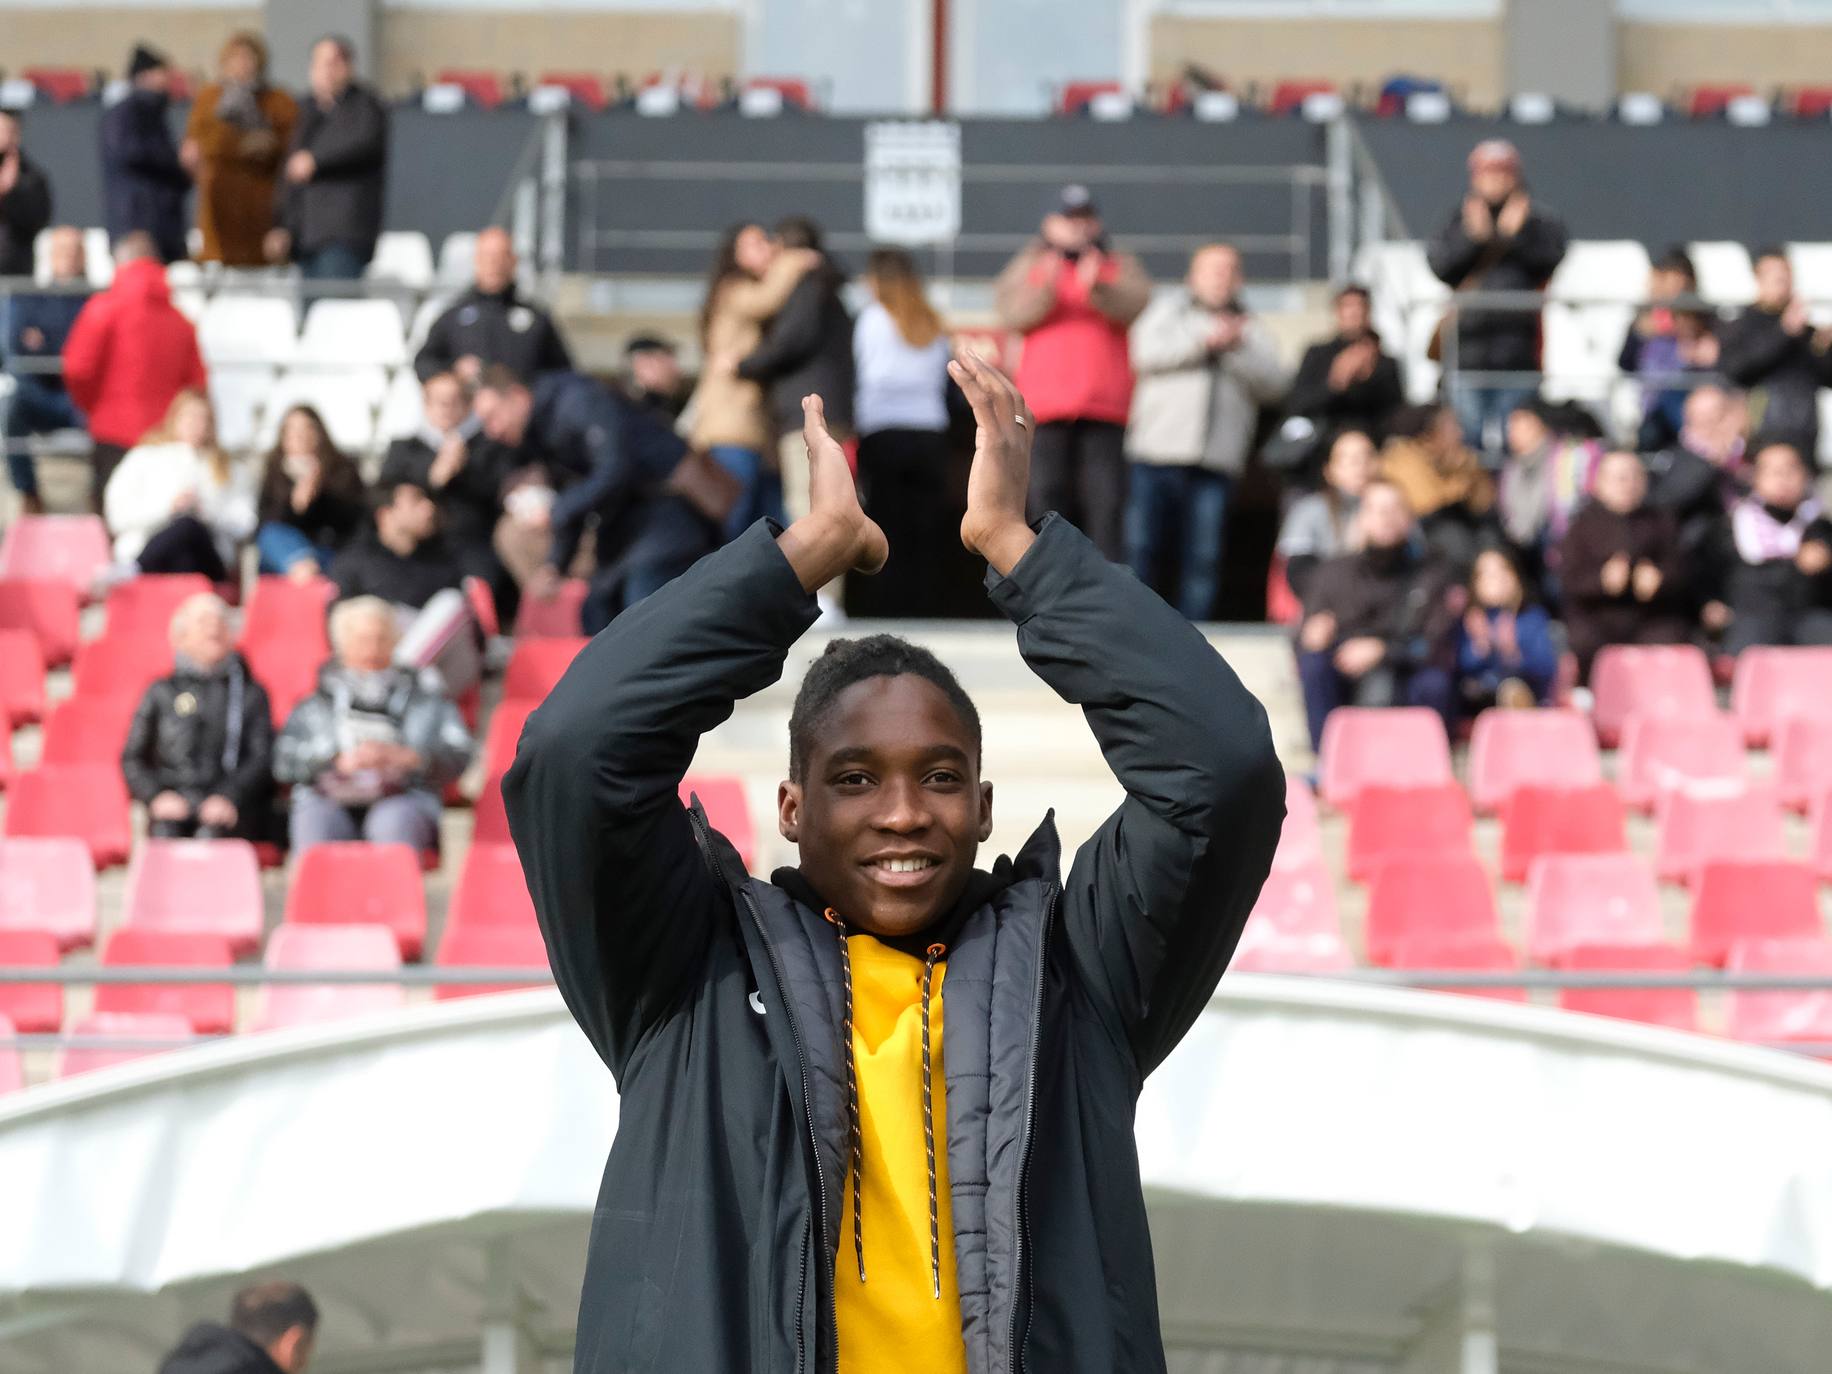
x=144 y=277
x=211 y=1349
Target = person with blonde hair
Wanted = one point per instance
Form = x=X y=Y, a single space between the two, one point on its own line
x=178 y=503
x=237 y=134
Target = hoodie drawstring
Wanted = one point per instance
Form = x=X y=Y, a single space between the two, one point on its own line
x=852 y=1102
x=928 y=1119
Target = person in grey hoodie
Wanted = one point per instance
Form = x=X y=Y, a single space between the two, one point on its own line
x=1205 y=368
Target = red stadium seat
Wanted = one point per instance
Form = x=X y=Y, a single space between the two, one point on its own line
x=503 y=734
x=281 y=609
x=87 y=801
x=1282 y=604
x=48 y=886
x=586 y=90
x=553 y=617
x=121 y=666
x=484 y=89
x=1751 y=901
x=1294 y=927
x=89 y=730
x=1662 y=753
x=1819 y=845
x=31 y=1007
x=1812 y=102
x=340 y=949
x=60 y=85
x=1778 y=1016
x=208 y=1008
x=172 y=1031
x=197 y=887
x=1076 y=96
x=535 y=665
x=1655 y=680
x=1698 y=826
x=143 y=606
x=490 y=946
x=6 y=750
x=1300 y=839
x=1388 y=821
x=1401 y=746
x=1558 y=820
x=489 y=822
x=12 y=1066
x=22 y=676
x=1442 y=897
x=362 y=884
x=1513 y=749
x=722 y=798
x=50 y=610
x=1575 y=900
x=1676 y=1008
x=1802 y=749
x=482 y=601
x=491 y=891
x=1471 y=952
x=1713 y=98
x=70 y=549
x=288 y=669
x=1772 y=684
x=1288 y=97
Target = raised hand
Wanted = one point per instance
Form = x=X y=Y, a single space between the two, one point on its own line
x=836 y=535
x=998 y=487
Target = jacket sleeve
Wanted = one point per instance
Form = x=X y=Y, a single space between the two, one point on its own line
x=27 y=207
x=1255 y=360
x=627 y=905
x=1126 y=295
x=792 y=336
x=136 y=501
x=307 y=744
x=1169 y=337
x=86 y=353
x=1452 y=252
x=1749 y=349
x=253 y=775
x=611 y=469
x=1581 y=564
x=1020 y=302
x=553 y=354
x=1539 y=247
x=1155 y=901
x=442 y=741
x=1310 y=393
x=142 y=147
x=437 y=353
x=354 y=143
x=137 y=763
x=1538 y=653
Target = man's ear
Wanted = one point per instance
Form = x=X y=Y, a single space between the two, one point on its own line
x=985 y=812
x=292 y=1350
x=788 y=811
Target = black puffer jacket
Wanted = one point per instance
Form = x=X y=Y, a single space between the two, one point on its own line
x=1498 y=340
x=717 y=998
x=342 y=203
x=807 y=348
x=494 y=327
x=211 y=1349
x=203 y=734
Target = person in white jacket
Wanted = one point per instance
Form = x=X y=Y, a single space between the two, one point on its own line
x=1205 y=368
x=177 y=503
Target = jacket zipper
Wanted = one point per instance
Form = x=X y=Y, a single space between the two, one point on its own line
x=801 y=1066
x=1021 y=1220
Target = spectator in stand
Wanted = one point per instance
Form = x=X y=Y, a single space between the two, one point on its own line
x=806 y=349
x=370 y=751
x=1073 y=297
x=492 y=323
x=401 y=557
x=128 y=356
x=199 y=753
x=144 y=184
x=1774 y=566
x=1377 y=622
x=1506 y=655
x=1619 y=567
x=465 y=472
x=1325 y=524
x=329 y=212
x=178 y=503
x=900 y=351
x=1699 y=478
x=1773 y=352
x=1347 y=381
x=238 y=134
x=1497 y=240
x=659 y=504
x=1205 y=368
x=25 y=201
x=312 y=501
x=752 y=278
x=1445 y=485
x=34 y=327
x=1545 y=480
x=1669 y=339
x=271 y=1330
x=652 y=377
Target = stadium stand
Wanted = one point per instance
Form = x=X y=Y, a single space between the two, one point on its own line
x=1538 y=821
x=88 y=729
x=1300 y=838
x=208 y=1008
x=1781 y=1016
x=1386 y=822
x=197 y=887
x=536 y=665
x=1650 y=680
x=142 y=607
x=1675 y=1008
x=328 y=947
x=1774 y=684
x=353 y=883
x=1418 y=903
x=1698 y=826
x=1751 y=900
x=1509 y=750
x=30 y=1006
x=1663 y=753
x=87 y=801
x=71 y=549
x=491 y=891
x=173 y=1030
x=12 y=1063
x=1295 y=927
x=49 y=609
x=1580 y=900
x=1802 y=756
x=1398 y=747
x=47 y=886
x=22 y=677
x=488 y=945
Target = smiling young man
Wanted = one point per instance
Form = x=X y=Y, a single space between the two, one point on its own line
x=876 y=1113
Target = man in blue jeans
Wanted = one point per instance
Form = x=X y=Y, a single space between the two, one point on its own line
x=33 y=328
x=1205 y=367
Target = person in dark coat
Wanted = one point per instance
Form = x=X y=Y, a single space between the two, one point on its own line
x=272 y=1328
x=144 y=184
x=1772 y=351
x=1377 y=623
x=806 y=350
x=1773 y=564
x=25 y=201
x=34 y=327
x=1347 y=381
x=493 y=324
x=742 y=1224
x=402 y=557
x=1620 y=570
x=1499 y=239
x=655 y=500
x=312 y=501
x=329 y=211
x=1703 y=473
x=1669 y=339
x=199 y=752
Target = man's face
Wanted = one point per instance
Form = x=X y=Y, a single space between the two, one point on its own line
x=1527 y=433
x=1780 y=478
x=891 y=811
x=1352 y=314
x=1215 y=277
x=1071 y=233
x=1774 y=282
x=1622 y=483
x=329 y=75
x=655 y=370
x=1494 y=181
x=493 y=267
x=368 y=643
x=412 y=514
x=1386 y=520
x=204 y=637
x=154 y=79
x=754 y=250
x=443 y=397
x=67 y=258
x=504 y=414
x=9 y=134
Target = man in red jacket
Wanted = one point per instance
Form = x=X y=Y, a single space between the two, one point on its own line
x=129 y=353
x=1073 y=298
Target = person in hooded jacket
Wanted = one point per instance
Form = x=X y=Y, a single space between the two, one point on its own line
x=272 y=1330
x=876 y=1113
x=144 y=184
x=199 y=752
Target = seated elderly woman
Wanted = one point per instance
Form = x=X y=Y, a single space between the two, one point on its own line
x=200 y=750
x=369 y=752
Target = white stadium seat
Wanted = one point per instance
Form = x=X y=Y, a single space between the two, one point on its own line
x=1812 y=263
x=239 y=395
x=402 y=409
x=1408 y=302
x=404 y=256
x=1725 y=276
x=345 y=399
x=455 y=256
x=248 y=329
x=1591 y=304
x=338 y=333
x=99 y=258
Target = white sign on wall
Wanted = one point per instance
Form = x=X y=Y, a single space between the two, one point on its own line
x=913 y=181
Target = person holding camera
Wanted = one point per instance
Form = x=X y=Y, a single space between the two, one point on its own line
x=1073 y=297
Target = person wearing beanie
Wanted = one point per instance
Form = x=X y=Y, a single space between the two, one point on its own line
x=143 y=182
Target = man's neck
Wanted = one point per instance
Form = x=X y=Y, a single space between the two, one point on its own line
x=397 y=543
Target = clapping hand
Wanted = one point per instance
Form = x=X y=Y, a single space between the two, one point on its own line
x=836 y=536
x=998 y=485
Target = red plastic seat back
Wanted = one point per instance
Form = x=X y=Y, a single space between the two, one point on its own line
x=1751 y=901
x=339 y=948
x=22 y=676
x=484 y=88
x=1076 y=96
x=143 y=607
x=1300 y=837
x=1509 y=750
x=1574 y=900
x=1441 y=897
x=48 y=886
x=61 y=85
x=288 y=671
x=1699 y=825
x=491 y=946
x=70 y=549
x=1288 y=97
x=1557 y=820
x=33 y=1008
x=727 y=811
x=209 y=1008
x=1712 y=98
x=1772 y=684
x=1294 y=927
x=1802 y=748
x=554 y=617
x=293 y=612
x=1389 y=821
x=1471 y=951
x=121 y=666
x=90 y=730
x=50 y=610
x=489 y=822
x=1786 y=1014
x=491 y=891
x=1662 y=753
x=1812 y=102
x=1403 y=746
x=162 y=1030
x=353 y=883
x=586 y=90
x=502 y=736
x=1676 y=1008
x=535 y=665
x=87 y=801
x=198 y=887
x=1650 y=679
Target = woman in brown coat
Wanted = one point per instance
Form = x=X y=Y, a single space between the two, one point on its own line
x=239 y=131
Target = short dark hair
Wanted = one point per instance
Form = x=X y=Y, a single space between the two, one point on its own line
x=500 y=377
x=382 y=494
x=1772 y=250
x=849 y=661
x=264 y=1312
x=344 y=45
x=1761 y=443
x=798 y=231
x=1674 y=258
x=1353 y=288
